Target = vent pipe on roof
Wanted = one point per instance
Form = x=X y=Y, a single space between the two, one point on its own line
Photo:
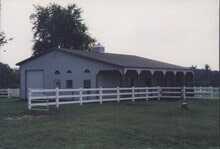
x=98 y=48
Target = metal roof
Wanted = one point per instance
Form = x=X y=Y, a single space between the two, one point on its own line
x=121 y=60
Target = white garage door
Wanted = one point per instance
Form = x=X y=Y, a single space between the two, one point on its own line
x=35 y=79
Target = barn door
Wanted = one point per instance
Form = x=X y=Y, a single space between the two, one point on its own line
x=34 y=79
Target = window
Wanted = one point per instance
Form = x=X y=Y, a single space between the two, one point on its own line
x=87 y=83
x=69 y=83
x=57 y=72
x=87 y=71
x=69 y=71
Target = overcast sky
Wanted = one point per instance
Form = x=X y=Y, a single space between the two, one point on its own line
x=182 y=32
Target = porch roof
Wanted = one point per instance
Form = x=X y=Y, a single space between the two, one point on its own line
x=121 y=60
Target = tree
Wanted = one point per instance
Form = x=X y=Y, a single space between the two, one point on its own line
x=3 y=39
x=9 y=77
x=57 y=26
x=207 y=67
x=193 y=67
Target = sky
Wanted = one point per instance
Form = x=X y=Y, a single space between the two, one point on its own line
x=181 y=32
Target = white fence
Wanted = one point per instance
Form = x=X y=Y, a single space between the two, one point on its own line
x=7 y=93
x=47 y=97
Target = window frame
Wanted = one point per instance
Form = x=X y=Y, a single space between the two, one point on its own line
x=69 y=71
x=57 y=72
x=89 y=83
x=87 y=71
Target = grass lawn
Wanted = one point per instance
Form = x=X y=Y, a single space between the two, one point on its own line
x=138 y=125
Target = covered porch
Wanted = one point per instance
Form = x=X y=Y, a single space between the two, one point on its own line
x=144 y=78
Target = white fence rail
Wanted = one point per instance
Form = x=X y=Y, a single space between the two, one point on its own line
x=47 y=97
x=7 y=93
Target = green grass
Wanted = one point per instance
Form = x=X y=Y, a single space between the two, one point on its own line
x=139 y=125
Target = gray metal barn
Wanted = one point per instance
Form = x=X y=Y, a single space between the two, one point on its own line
x=65 y=68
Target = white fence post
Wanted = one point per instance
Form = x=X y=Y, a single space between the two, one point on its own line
x=29 y=99
x=133 y=95
x=57 y=98
x=159 y=92
x=194 y=92
x=211 y=92
x=200 y=92
x=118 y=94
x=184 y=93
x=80 y=96
x=100 y=95
x=146 y=94
x=8 y=93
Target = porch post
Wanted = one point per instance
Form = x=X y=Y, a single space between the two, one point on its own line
x=184 y=79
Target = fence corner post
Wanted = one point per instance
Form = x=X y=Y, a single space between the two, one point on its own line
x=57 y=98
x=133 y=95
x=29 y=99
x=100 y=95
x=80 y=96
x=118 y=94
